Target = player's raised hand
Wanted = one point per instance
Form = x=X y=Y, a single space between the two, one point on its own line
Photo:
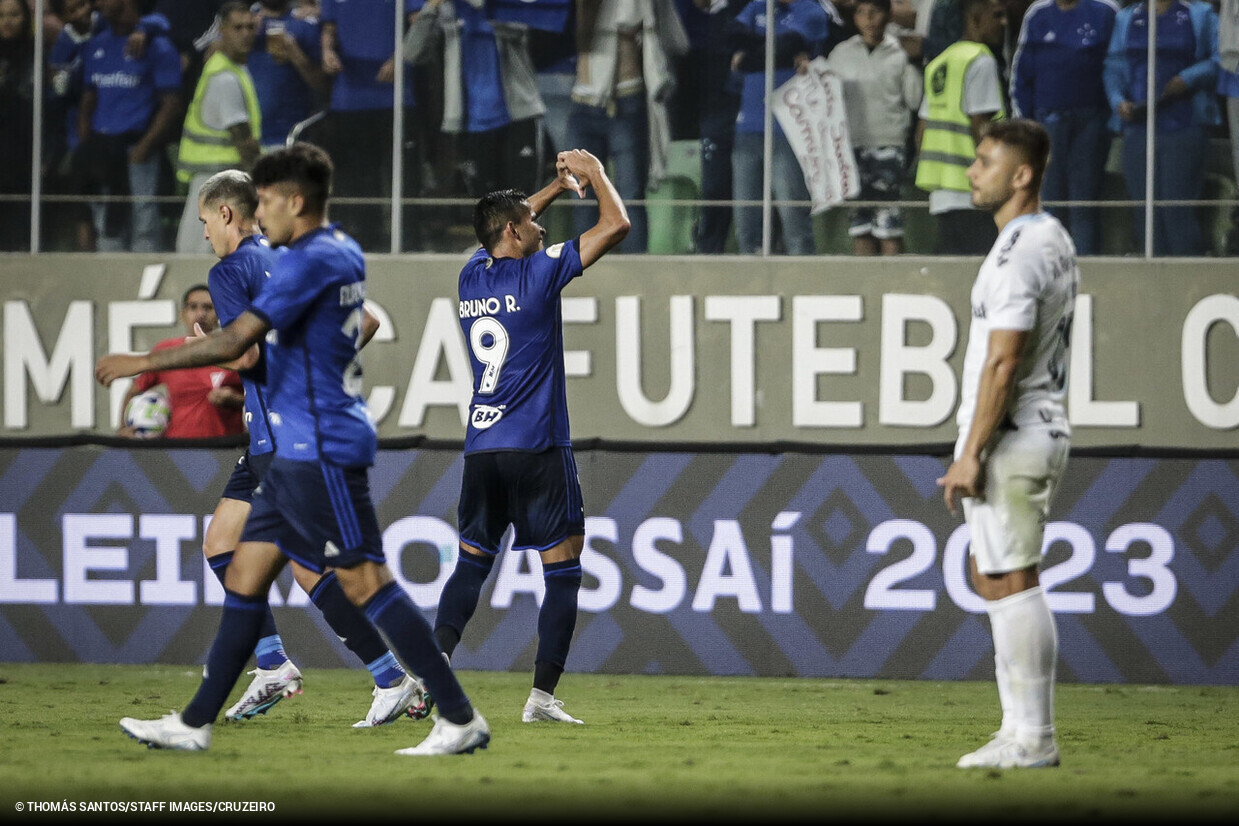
x=581 y=164
x=118 y=366
x=566 y=179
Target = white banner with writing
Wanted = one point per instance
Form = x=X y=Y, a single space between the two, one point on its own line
x=810 y=110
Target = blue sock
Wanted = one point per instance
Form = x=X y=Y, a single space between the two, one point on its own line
x=460 y=598
x=270 y=651
x=409 y=636
x=354 y=630
x=557 y=617
x=386 y=670
x=238 y=631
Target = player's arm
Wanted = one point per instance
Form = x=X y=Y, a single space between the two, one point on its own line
x=369 y=326
x=564 y=181
x=223 y=347
x=247 y=360
x=613 y=223
x=965 y=477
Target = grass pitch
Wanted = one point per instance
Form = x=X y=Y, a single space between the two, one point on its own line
x=653 y=747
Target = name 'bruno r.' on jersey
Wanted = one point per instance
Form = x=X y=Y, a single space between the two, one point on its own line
x=512 y=322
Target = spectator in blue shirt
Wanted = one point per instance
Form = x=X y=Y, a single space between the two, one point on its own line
x=1186 y=108
x=78 y=23
x=1056 y=80
x=801 y=31
x=286 y=66
x=358 y=45
x=128 y=112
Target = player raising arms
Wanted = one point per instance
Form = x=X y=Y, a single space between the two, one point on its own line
x=519 y=467
x=314 y=504
x=1013 y=432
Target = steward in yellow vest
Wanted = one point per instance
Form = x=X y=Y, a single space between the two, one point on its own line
x=205 y=150
x=229 y=143
x=947 y=145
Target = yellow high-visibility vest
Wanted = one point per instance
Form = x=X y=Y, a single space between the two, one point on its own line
x=207 y=150
x=947 y=148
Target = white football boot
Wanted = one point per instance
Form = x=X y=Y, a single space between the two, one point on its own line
x=269 y=686
x=448 y=738
x=542 y=707
x=168 y=732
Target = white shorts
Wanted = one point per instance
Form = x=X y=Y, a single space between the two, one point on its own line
x=1022 y=471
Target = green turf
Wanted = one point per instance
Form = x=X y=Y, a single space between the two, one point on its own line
x=688 y=748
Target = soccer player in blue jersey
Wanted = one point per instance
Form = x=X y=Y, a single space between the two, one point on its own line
x=226 y=207
x=313 y=505
x=519 y=469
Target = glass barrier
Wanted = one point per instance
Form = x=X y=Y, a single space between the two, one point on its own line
x=691 y=143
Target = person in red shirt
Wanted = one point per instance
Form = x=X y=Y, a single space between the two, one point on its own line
x=205 y=401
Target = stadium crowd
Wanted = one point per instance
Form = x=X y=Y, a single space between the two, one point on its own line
x=144 y=99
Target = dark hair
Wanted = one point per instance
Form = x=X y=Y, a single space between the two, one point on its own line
x=492 y=213
x=197 y=288
x=967 y=8
x=306 y=166
x=230 y=7
x=27 y=30
x=883 y=6
x=1027 y=137
x=232 y=187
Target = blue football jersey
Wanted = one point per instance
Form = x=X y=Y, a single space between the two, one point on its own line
x=313 y=302
x=235 y=282
x=128 y=89
x=511 y=317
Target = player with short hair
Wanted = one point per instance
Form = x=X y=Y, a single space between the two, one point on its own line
x=226 y=204
x=519 y=468
x=314 y=504
x=1014 y=437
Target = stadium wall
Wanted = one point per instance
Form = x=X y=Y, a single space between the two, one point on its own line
x=829 y=565
x=741 y=520
x=686 y=350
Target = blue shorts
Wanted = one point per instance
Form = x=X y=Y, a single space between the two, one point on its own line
x=246 y=475
x=538 y=494
x=320 y=515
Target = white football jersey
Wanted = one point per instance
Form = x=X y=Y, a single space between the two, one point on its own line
x=1028 y=282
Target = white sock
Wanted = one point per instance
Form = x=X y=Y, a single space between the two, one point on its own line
x=1025 y=637
x=1002 y=675
x=540 y=697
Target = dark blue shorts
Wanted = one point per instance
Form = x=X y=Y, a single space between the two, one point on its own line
x=538 y=494
x=320 y=515
x=246 y=476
